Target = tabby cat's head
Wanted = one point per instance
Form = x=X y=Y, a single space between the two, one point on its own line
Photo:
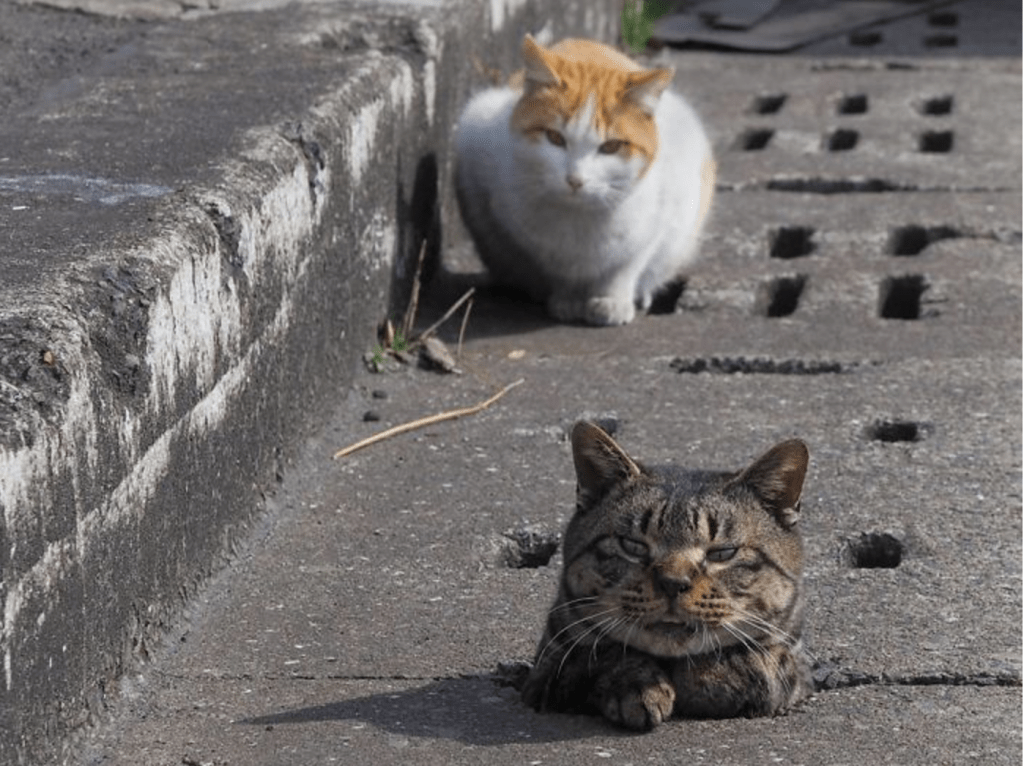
x=587 y=117
x=676 y=563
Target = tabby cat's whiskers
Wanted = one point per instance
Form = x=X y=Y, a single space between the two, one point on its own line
x=681 y=614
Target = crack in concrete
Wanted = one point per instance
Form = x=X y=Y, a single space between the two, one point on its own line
x=831 y=679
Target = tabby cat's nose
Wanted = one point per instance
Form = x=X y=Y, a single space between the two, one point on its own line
x=672 y=586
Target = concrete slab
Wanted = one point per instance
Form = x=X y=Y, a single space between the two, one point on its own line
x=187 y=302
x=474 y=721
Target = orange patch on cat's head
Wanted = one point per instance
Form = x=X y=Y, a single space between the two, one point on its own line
x=559 y=82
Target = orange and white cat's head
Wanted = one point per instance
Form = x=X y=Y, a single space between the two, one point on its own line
x=586 y=120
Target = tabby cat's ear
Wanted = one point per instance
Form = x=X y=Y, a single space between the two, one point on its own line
x=777 y=478
x=538 y=69
x=600 y=464
x=645 y=87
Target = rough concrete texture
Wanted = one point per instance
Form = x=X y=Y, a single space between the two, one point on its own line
x=866 y=299
x=203 y=222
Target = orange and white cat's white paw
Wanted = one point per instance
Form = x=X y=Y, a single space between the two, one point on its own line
x=641 y=702
x=601 y=311
x=606 y=311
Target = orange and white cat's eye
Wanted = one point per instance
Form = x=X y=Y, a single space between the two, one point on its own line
x=611 y=146
x=722 y=554
x=555 y=137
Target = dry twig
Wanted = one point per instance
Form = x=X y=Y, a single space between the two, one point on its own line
x=465 y=297
x=462 y=329
x=427 y=421
x=414 y=298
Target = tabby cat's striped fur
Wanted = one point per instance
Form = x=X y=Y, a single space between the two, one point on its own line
x=680 y=592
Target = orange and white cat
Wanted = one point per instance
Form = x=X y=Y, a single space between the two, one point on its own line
x=585 y=181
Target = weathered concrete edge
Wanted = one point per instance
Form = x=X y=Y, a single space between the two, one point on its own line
x=151 y=495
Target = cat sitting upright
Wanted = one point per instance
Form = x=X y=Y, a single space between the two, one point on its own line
x=584 y=182
x=681 y=592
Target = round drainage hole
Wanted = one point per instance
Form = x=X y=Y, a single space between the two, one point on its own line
x=875 y=550
x=530 y=548
x=893 y=431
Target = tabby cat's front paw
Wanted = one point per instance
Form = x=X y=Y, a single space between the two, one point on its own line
x=639 y=699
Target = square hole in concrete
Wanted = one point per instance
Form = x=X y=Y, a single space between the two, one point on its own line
x=900 y=297
x=937 y=106
x=895 y=431
x=865 y=38
x=913 y=239
x=769 y=104
x=856 y=103
x=755 y=139
x=781 y=296
x=943 y=19
x=842 y=140
x=666 y=299
x=791 y=242
x=935 y=141
x=941 y=41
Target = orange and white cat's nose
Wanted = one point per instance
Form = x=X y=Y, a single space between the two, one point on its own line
x=574 y=181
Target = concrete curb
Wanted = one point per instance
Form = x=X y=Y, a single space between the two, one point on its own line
x=166 y=351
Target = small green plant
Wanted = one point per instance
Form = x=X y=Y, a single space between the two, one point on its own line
x=394 y=341
x=399 y=343
x=638 y=17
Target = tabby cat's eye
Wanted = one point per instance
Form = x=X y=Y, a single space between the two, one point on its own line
x=722 y=554
x=611 y=146
x=634 y=547
x=555 y=137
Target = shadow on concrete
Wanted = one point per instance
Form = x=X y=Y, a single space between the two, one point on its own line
x=473 y=711
x=496 y=310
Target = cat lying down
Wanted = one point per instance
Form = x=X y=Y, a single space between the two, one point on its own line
x=681 y=592
x=585 y=182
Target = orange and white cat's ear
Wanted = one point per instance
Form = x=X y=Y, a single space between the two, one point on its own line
x=538 y=67
x=644 y=88
x=777 y=479
x=600 y=464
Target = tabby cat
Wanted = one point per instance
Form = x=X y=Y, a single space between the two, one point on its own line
x=680 y=591
x=584 y=182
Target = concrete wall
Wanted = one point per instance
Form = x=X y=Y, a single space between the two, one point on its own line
x=193 y=280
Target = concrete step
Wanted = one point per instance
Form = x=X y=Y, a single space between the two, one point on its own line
x=205 y=215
